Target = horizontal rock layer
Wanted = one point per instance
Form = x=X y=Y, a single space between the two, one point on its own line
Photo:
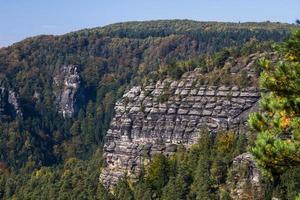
x=157 y=118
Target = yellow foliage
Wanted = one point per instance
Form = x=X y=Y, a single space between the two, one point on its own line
x=285 y=120
x=39 y=173
x=225 y=141
x=291 y=57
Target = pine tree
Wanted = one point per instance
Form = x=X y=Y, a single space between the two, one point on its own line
x=181 y=177
x=202 y=185
x=277 y=147
x=123 y=191
x=157 y=173
x=102 y=193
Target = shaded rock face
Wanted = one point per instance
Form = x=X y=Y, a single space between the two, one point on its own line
x=245 y=182
x=9 y=103
x=67 y=81
x=159 y=117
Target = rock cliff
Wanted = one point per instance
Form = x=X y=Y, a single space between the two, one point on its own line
x=9 y=103
x=67 y=81
x=158 y=117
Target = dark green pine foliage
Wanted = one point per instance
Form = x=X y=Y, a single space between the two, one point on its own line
x=75 y=179
x=277 y=147
x=178 y=186
x=123 y=191
x=290 y=183
x=158 y=174
x=202 y=185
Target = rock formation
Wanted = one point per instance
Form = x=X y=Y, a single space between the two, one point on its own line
x=67 y=82
x=9 y=103
x=156 y=118
x=245 y=180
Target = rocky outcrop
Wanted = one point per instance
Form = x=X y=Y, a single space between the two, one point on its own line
x=245 y=179
x=67 y=82
x=158 y=117
x=9 y=103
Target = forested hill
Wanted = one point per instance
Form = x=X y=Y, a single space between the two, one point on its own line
x=101 y=62
x=57 y=93
x=163 y=28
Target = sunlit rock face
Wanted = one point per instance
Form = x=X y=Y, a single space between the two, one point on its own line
x=67 y=83
x=159 y=117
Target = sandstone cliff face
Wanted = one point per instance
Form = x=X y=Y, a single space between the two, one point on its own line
x=67 y=81
x=157 y=118
x=9 y=103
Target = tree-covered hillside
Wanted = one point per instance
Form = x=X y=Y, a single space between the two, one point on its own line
x=108 y=59
x=85 y=72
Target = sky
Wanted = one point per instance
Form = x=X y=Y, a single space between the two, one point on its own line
x=25 y=18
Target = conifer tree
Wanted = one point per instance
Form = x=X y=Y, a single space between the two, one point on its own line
x=277 y=147
x=202 y=185
x=123 y=191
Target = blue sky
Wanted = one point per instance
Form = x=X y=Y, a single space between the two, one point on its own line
x=24 y=18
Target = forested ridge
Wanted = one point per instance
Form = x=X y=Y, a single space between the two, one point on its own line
x=48 y=156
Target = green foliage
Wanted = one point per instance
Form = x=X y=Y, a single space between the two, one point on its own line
x=225 y=195
x=123 y=191
x=157 y=173
x=203 y=183
x=290 y=183
x=277 y=147
x=75 y=179
x=188 y=174
x=176 y=69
